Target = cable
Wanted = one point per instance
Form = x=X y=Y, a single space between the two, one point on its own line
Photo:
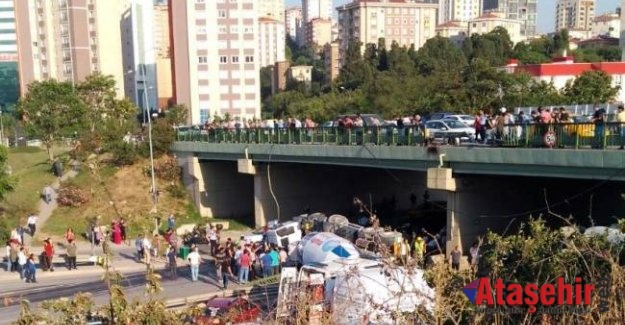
x=275 y=199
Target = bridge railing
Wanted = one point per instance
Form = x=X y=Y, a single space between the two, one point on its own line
x=563 y=135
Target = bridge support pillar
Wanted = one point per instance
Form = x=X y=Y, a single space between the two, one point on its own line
x=441 y=179
x=194 y=181
x=265 y=208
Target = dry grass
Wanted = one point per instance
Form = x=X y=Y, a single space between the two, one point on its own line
x=123 y=192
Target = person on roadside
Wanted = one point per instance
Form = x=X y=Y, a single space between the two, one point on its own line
x=47 y=193
x=7 y=256
x=48 y=254
x=21 y=261
x=171 y=262
x=139 y=247
x=244 y=266
x=211 y=236
x=454 y=258
x=266 y=262
x=32 y=224
x=226 y=270
x=194 y=262
x=31 y=269
x=147 y=249
x=171 y=221
x=69 y=235
x=71 y=251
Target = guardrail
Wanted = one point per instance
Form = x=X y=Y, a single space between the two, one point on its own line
x=562 y=135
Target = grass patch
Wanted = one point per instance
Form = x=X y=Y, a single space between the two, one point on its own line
x=31 y=169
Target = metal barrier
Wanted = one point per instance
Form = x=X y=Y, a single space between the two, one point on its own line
x=562 y=135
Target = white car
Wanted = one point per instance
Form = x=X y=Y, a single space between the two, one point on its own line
x=449 y=129
x=466 y=119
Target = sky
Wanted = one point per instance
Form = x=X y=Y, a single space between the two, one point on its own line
x=546 y=11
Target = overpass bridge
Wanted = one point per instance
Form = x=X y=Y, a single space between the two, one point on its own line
x=275 y=173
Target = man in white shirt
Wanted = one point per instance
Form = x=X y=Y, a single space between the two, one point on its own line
x=32 y=224
x=194 y=261
x=147 y=249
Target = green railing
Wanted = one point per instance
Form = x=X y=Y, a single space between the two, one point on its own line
x=565 y=135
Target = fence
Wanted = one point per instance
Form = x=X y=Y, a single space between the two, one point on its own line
x=562 y=135
x=584 y=109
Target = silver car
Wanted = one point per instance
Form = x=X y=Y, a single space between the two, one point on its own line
x=450 y=129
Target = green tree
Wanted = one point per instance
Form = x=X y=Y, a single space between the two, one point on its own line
x=440 y=55
x=177 y=115
x=591 y=87
x=98 y=94
x=482 y=83
x=265 y=82
x=51 y=109
x=355 y=72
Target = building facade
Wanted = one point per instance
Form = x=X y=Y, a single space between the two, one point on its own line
x=332 y=61
x=139 y=51
x=575 y=14
x=455 y=30
x=301 y=73
x=293 y=22
x=403 y=21
x=314 y=9
x=162 y=44
x=458 y=10
x=69 y=40
x=273 y=9
x=9 y=71
x=271 y=37
x=279 y=76
x=607 y=25
x=523 y=10
x=489 y=21
x=215 y=55
x=318 y=32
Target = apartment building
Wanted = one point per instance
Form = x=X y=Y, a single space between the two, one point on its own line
x=458 y=10
x=523 y=10
x=314 y=9
x=456 y=31
x=607 y=25
x=139 y=54
x=164 y=83
x=293 y=22
x=332 y=61
x=9 y=75
x=69 y=40
x=318 y=32
x=271 y=37
x=271 y=8
x=489 y=21
x=215 y=57
x=575 y=14
x=403 y=21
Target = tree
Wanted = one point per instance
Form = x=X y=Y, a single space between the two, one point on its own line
x=440 y=55
x=482 y=83
x=355 y=72
x=177 y=115
x=591 y=87
x=98 y=94
x=51 y=109
x=265 y=82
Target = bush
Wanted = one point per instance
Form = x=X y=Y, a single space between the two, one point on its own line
x=72 y=196
x=5 y=231
x=167 y=169
x=124 y=154
x=177 y=191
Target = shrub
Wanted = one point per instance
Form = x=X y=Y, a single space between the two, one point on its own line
x=177 y=191
x=124 y=154
x=167 y=169
x=72 y=196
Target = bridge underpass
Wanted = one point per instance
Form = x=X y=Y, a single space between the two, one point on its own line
x=480 y=202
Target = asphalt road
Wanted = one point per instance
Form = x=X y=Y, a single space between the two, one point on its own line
x=68 y=284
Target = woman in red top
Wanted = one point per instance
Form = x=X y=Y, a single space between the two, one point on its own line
x=244 y=266
x=48 y=253
x=69 y=235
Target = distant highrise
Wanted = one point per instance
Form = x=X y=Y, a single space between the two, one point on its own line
x=524 y=10
x=314 y=9
x=69 y=39
x=575 y=14
x=273 y=9
x=271 y=38
x=216 y=61
x=163 y=54
x=458 y=10
x=293 y=22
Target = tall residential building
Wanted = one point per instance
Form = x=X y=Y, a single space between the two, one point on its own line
x=575 y=14
x=331 y=60
x=458 y=10
x=403 y=21
x=140 y=54
x=164 y=83
x=314 y=9
x=271 y=41
x=523 y=10
x=271 y=8
x=70 y=39
x=215 y=58
x=318 y=32
x=9 y=77
x=293 y=22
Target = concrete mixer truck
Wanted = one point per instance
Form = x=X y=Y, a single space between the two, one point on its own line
x=335 y=284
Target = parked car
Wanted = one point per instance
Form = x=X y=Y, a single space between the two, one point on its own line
x=229 y=310
x=466 y=119
x=448 y=129
x=439 y=115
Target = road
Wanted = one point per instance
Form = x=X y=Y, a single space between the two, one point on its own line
x=88 y=278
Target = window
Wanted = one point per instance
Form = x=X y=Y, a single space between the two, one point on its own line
x=223 y=59
x=222 y=30
x=202 y=59
x=235 y=59
x=249 y=59
x=222 y=14
x=204 y=115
